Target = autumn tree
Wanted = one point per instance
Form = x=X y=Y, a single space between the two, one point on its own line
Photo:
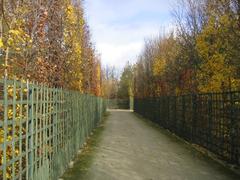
x=218 y=49
x=201 y=55
x=110 y=82
x=49 y=42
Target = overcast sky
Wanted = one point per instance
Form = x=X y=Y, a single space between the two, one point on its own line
x=119 y=27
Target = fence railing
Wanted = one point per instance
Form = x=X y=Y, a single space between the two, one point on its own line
x=42 y=128
x=209 y=120
x=118 y=104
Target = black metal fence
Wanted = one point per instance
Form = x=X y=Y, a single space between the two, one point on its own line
x=209 y=120
x=118 y=104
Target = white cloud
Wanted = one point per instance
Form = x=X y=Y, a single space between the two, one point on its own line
x=119 y=27
x=118 y=55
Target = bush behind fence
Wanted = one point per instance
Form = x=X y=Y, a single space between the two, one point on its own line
x=42 y=128
x=210 y=120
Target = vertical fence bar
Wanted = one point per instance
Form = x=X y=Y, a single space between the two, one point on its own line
x=44 y=125
x=48 y=133
x=27 y=132
x=31 y=121
x=54 y=104
x=21 y=130
x=175 y=113
x=51 y=131
x=232 y=129
x=5 y=128
x=14 y=129
x=41 y=119
x=168 y=112
x=183 y=128
x=194 y=118
x=209 y=141
x=36 y=129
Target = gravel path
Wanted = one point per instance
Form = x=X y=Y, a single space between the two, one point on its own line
x=132 y=149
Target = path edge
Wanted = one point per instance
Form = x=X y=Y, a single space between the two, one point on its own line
x=234 y=168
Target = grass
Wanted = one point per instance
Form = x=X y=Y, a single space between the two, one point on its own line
x=84 y=161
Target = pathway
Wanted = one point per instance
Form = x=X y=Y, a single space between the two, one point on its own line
x=132 y=149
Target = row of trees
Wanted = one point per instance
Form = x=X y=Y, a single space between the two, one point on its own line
x=118 y=85
x=49 y=42
x=201 y=55
x=110 y=82
x=125 y=89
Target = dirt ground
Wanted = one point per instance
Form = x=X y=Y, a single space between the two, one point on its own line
x=127 y=147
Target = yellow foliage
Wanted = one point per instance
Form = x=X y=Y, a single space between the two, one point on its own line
x=9 y=138
x=1 y=136
x=1 y=43
x=15 y=32
x=77 y=49
x=98 y=72
x=159 y=67
x=73 y=33
x=70 y=14
x=215 y=71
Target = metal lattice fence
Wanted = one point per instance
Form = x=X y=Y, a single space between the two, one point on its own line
x=42 y=128
x=118 y=104
x=209 y=120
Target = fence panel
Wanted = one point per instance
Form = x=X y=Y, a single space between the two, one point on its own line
x=210 y=120
x=118 y=103
x=42 y=128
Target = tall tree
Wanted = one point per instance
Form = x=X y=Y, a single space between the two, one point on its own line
x=125 y=89
x=49 y=42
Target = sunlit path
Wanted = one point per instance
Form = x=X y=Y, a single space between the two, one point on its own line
x=71 y=71
x=131 y=148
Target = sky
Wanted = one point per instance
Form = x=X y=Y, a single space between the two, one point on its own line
x=119 y=27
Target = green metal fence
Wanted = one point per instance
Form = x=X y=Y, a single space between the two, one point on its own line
x=42 y=128
x=210 y=120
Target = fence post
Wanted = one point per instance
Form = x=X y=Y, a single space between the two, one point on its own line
x=31 y=121
x=232 y=128
x=5 y=129
x=194 y=117
x=175 y=115
x=168 y=112
x=36 y=127
x=183 y=129
x=160 y=106
x=209 y=142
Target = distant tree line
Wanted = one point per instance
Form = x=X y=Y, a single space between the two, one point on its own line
x=118 y=85
x=201 y=55
x=110 y=82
